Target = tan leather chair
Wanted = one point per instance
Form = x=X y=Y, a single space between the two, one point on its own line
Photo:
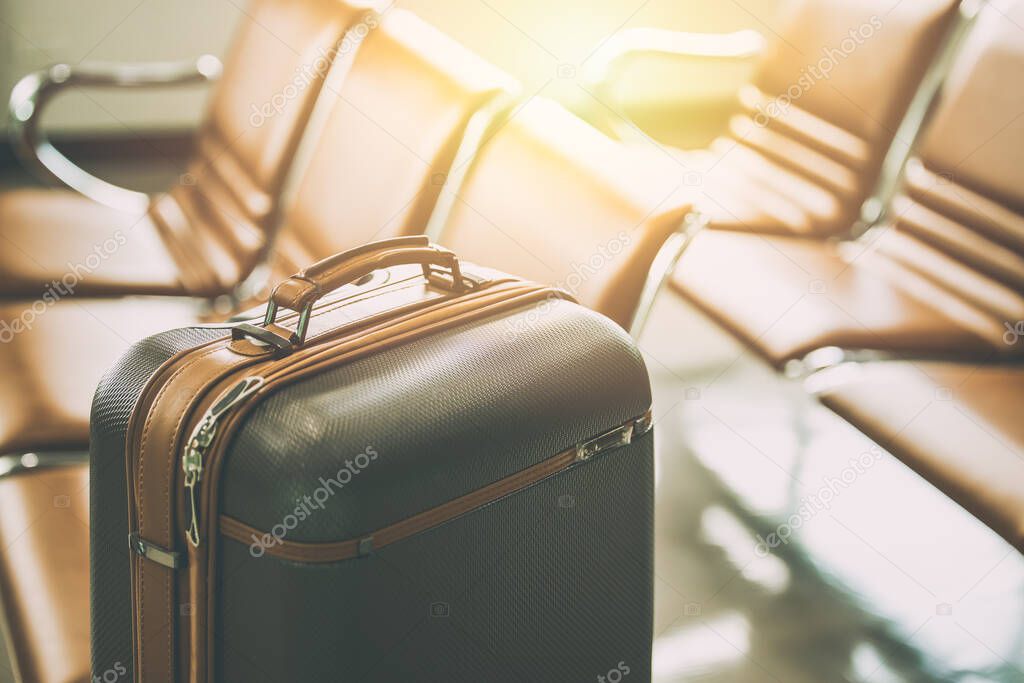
x=553 y=199
x=207 y=233
x=815 y=124
x=959 y=426
x=52 y=355
x=389 y=135
x=44 y=578
x=393 y=125
x=944 y=274
x=52 y=358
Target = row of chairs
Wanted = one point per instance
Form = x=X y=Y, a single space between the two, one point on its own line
x=405 y=131
x=868 y=228
x=334 y=124
x=911 y=330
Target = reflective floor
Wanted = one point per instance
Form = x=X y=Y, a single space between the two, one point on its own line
x=791 y=549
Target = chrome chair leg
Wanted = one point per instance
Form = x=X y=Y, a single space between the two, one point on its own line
x=663 y=266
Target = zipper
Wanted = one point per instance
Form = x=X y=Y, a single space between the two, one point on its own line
x=199 y=442
x=337 y=551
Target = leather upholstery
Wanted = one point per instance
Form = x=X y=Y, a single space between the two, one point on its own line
x=946 y=273
x=554 y=200
x=44 y=572
x=389 y=140
x=820 y=115
x=958 y=426
x=215 y=221
x=787 y=296
x=48 y=235
x=51 y=370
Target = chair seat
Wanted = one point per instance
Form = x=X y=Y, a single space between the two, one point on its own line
x=786 y=297
x=44 y=572
x=742 y=189
x=87 y=248
x=54 y=356
x=959 y=426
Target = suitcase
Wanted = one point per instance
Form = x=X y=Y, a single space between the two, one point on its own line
x=410 y=469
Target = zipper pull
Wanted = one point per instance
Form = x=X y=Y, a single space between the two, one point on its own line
x=200 y=440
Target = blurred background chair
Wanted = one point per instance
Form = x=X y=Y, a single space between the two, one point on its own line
x=209 y=231
x=44 y=577
x=412 y=110
x=941 y=276
x=807 y=143
x=553 y=199
x=956 y=240
x=372 y=172
x=957 y=425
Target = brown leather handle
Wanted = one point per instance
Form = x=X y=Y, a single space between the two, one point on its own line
x=311 y=283
x=300 y=291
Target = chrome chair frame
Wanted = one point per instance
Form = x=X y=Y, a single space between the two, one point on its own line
x=33 y=92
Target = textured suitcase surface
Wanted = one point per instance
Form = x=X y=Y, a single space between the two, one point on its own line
x=473 y=504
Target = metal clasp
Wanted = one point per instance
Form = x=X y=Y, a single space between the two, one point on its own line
x=155 y=553
x=616 y=437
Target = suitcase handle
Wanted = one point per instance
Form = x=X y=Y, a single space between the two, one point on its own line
x=302 y=290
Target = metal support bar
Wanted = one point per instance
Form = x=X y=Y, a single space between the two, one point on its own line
x=663 y=266
x=31 y=94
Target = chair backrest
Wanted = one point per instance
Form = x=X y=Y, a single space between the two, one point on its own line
x=835 y=82
x=959 y=222
x=217 y=218
x=553 y=199
x=388 y=139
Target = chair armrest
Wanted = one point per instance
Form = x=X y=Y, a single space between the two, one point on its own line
x=670 y=71
x=31 y=94
x=739 y=45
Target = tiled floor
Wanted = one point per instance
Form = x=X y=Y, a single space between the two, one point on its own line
x=881 y=579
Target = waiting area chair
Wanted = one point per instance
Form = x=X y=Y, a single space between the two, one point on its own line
x=44 y=577
x=942 y=276
x=809 y=144
x=957 y=425
x=912 y=332
x=207 y=233
x=365 y=177
x=411 y=110
x=553 y=199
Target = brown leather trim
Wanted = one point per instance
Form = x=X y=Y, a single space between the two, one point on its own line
x=157 y=506
x=346 y=550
